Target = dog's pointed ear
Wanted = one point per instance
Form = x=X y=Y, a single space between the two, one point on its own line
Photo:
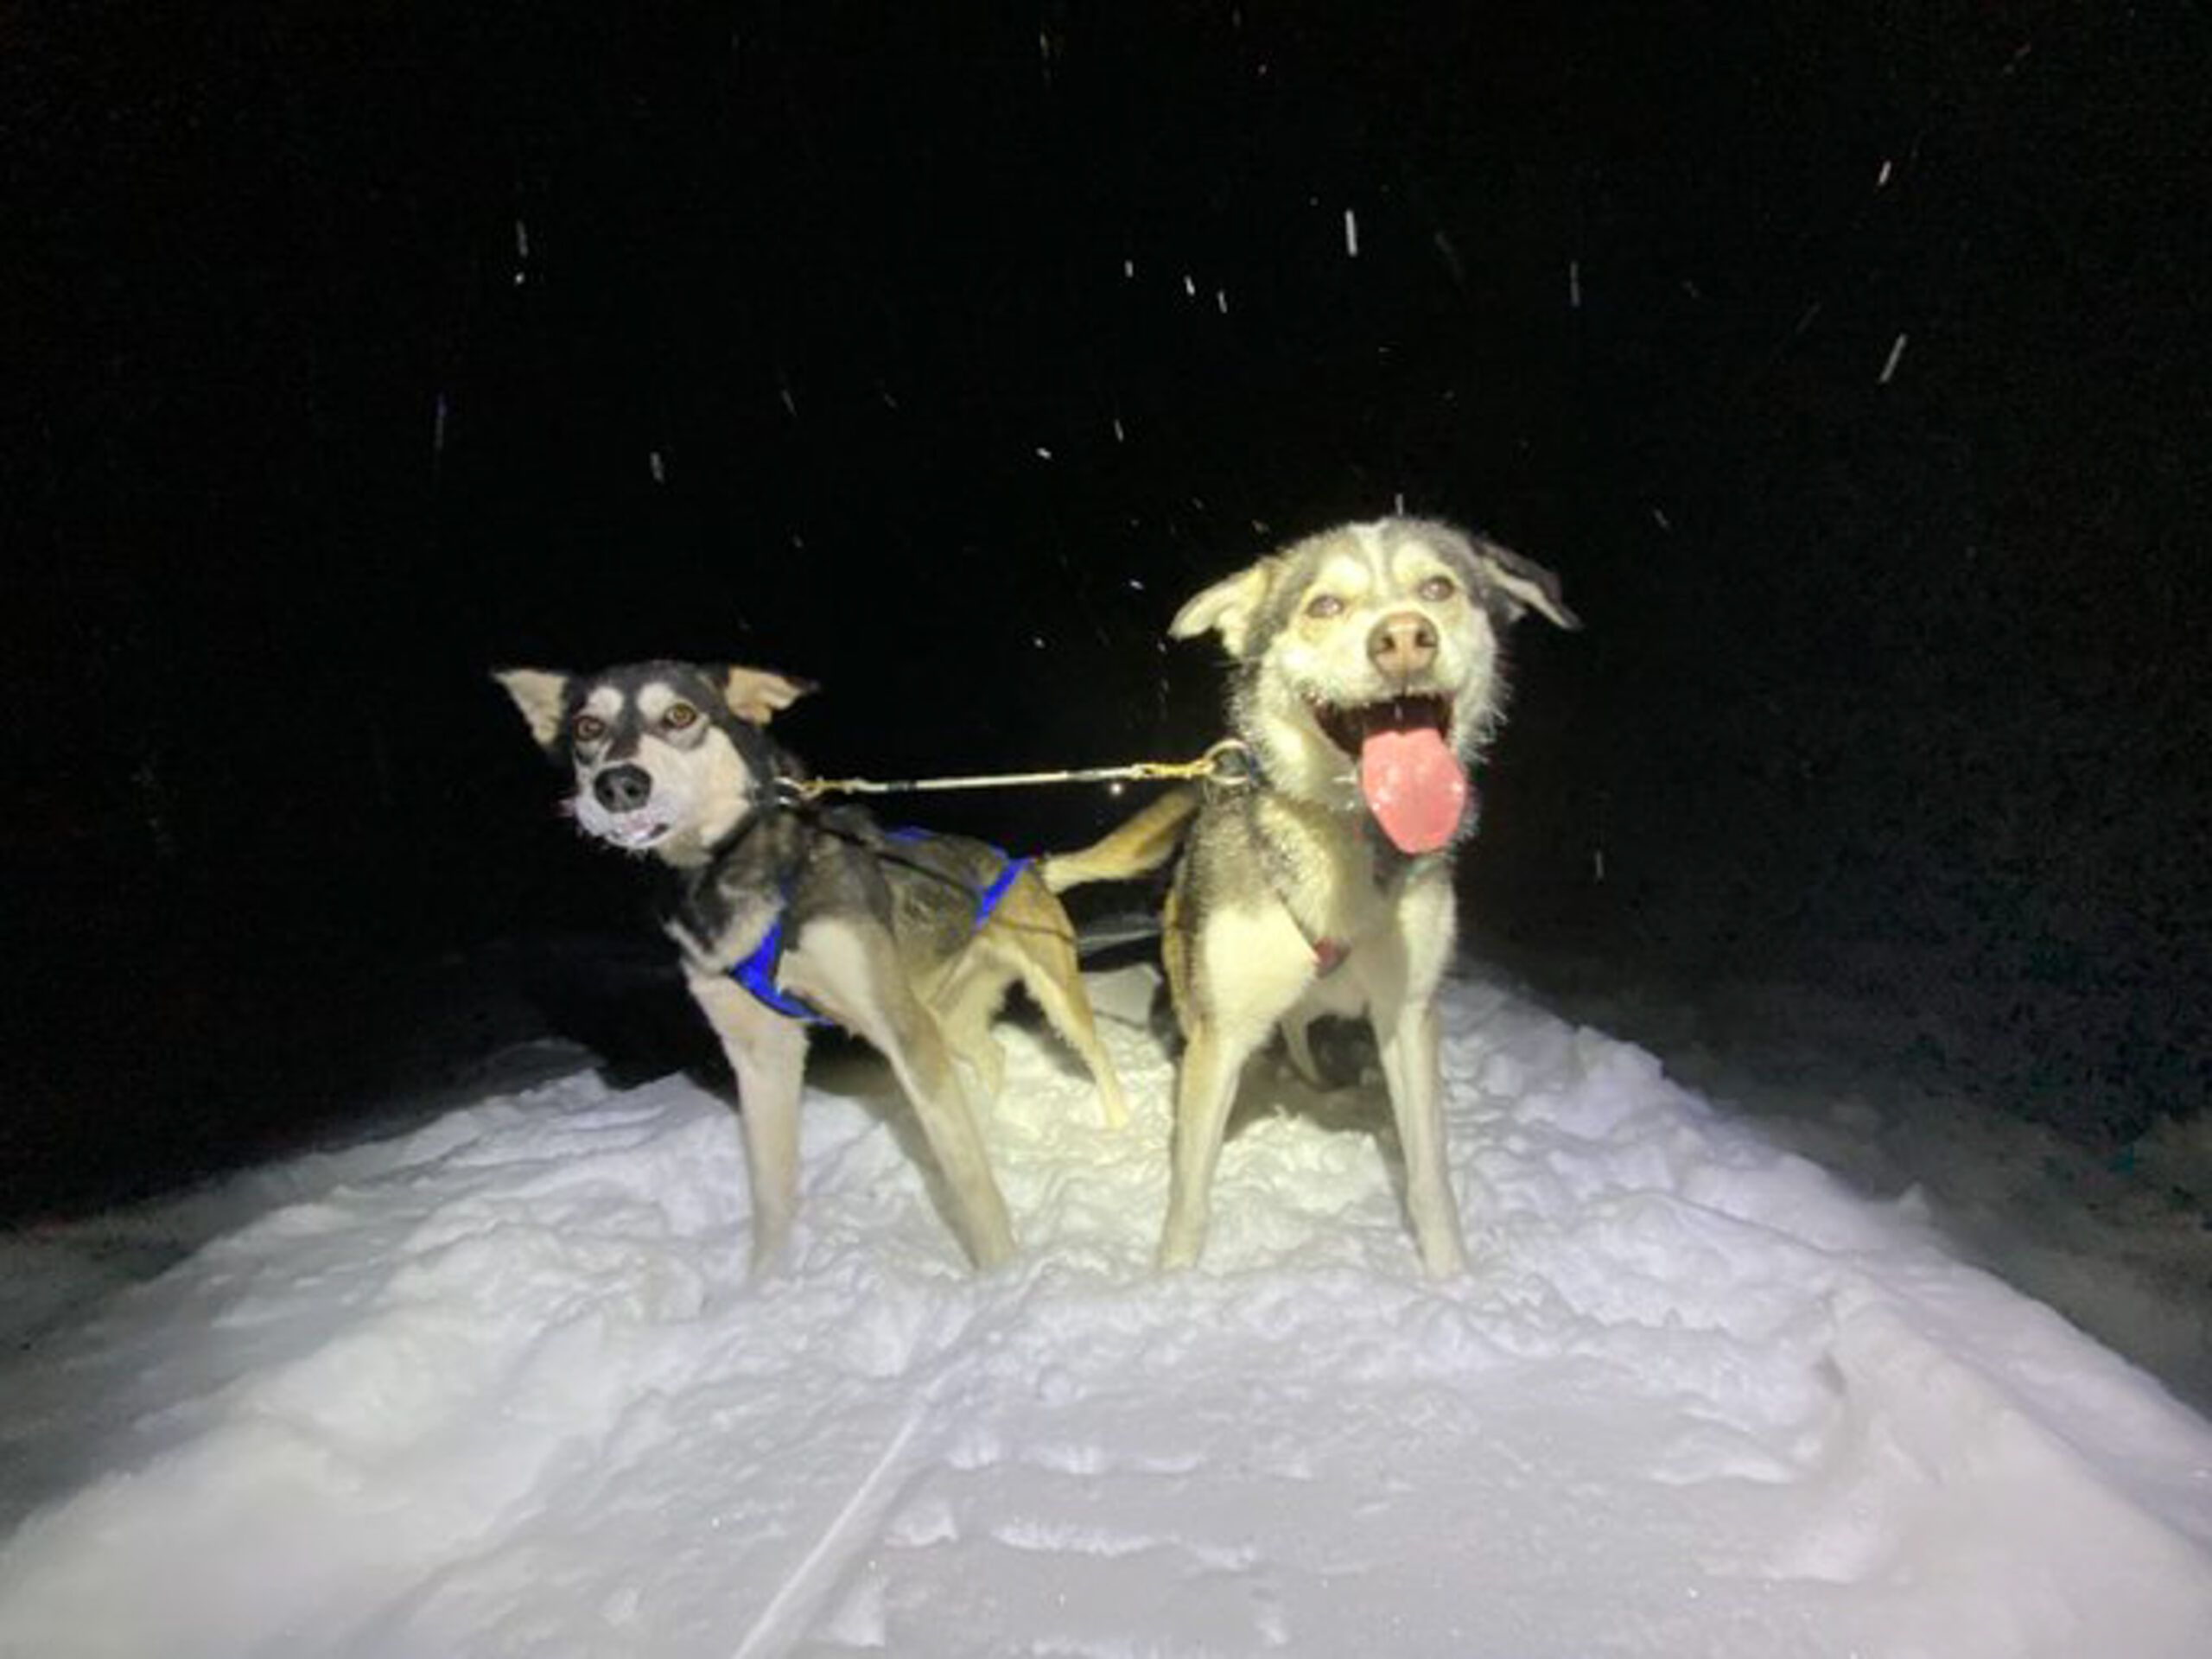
x=543 y=697
x=758 y=694
x=1228 y=607
x=1525 y=585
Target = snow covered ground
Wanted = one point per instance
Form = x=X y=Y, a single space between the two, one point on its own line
x=2117 y=1238
x=501 y=1385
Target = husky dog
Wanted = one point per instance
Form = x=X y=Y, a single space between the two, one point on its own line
x=787 y=915
x=1369 y=673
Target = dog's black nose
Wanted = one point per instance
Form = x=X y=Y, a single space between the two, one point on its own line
x=623 y=789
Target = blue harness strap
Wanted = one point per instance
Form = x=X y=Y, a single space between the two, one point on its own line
x=756 y=972
x=1010 y=869
x=988 y=899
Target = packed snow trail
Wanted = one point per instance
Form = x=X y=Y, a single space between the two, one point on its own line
x=502 y=1386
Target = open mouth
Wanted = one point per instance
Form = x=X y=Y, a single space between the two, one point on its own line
x=1350 y=726
x=1412 y=782
x=636 y=834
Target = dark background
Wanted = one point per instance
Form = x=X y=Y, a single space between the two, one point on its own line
x=1851 y=364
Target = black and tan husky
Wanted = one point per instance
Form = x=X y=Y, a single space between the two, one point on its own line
x=787 y=915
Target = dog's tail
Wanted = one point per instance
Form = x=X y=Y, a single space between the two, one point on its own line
x=1136 y=848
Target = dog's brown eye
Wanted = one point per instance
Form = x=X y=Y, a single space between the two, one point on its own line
x=1324 y=604
x=588 y=729
x=1437 y=589
x=679 y=716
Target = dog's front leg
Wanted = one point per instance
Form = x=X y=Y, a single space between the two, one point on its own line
x=1408 y=1045
x=768 y=1053
x=1401 y=1006
x=1206 y=1086
x=853 y=971
x=1245 y=972
x=918 y=1053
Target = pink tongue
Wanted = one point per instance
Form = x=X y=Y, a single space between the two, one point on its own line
x=1414 y=786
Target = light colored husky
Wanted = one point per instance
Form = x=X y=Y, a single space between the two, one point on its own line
x=788 y=915
x=1369 y=673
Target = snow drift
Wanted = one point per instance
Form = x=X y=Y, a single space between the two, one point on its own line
x=501 y=1385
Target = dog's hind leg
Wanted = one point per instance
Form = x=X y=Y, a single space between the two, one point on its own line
x=852 y=970
x=910 y=1040
x=1058 y=988
x=1040 y=939
x=964 y=1001
x=768 y=1053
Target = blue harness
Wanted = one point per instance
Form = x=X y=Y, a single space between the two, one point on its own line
x=756 y=972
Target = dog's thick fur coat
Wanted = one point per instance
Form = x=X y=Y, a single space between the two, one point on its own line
x=1368 y=675
x=881 y=932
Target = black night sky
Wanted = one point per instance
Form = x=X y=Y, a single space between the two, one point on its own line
x=1851 y=365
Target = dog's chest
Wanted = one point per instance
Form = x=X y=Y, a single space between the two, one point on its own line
x=1327 y=872
x=725 y=911
x=716 y=940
